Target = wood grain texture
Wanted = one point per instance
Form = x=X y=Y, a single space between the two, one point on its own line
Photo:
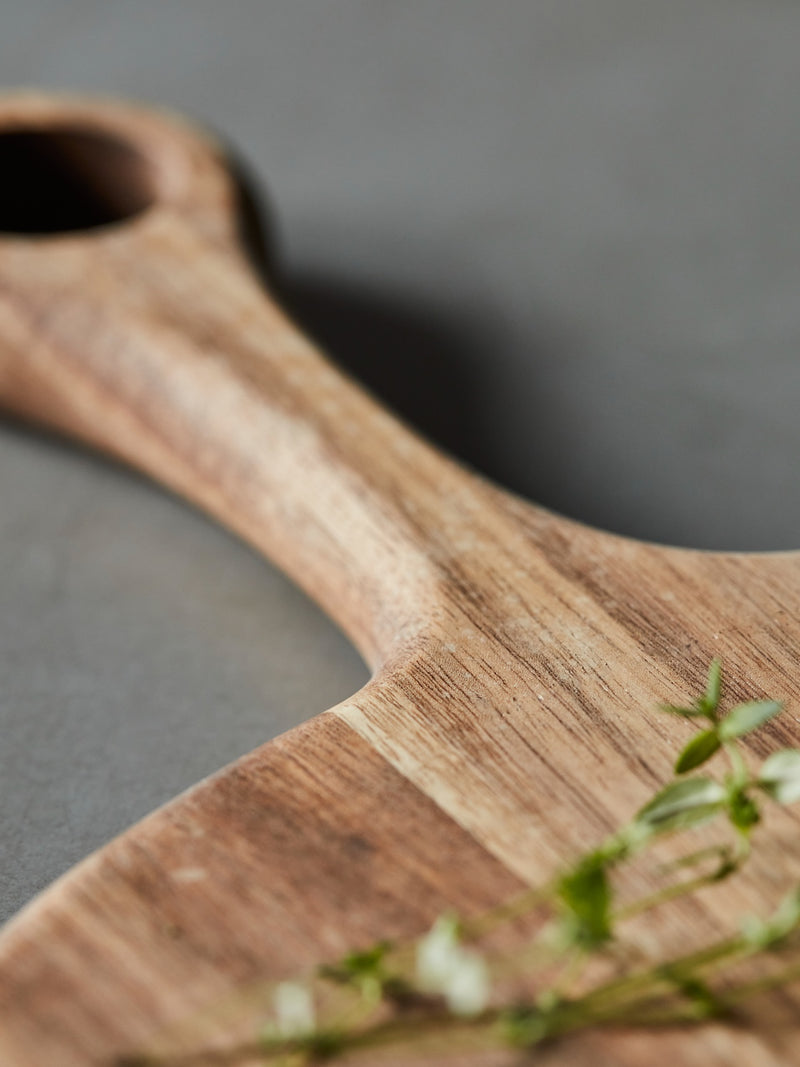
x=517 y=656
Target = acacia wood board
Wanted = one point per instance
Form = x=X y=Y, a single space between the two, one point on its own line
x=517 y=657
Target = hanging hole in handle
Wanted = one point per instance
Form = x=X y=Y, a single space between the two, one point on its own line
x=66 y=179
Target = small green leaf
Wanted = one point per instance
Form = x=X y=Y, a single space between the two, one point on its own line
x=685 y=713
x=365 y=972
x=786 y=918
x=766 y=934
x=586 y=894
x=688 y=820
x=368 y=961
x=525 y=1027
x=701 y=748
x=755 y=932
x=780 y=776
x=713 y=686
x=742 y=811
x=684 y=803
x=745 y=718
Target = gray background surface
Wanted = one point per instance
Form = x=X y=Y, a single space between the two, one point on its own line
x=562 y=237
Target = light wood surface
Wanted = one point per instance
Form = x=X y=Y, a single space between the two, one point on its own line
x=517 y=656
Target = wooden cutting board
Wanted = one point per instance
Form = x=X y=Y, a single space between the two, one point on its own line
x=517 y=657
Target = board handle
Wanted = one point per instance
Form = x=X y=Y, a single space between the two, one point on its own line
x=149 y=336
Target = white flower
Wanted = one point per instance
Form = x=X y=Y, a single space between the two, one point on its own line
x=444 y=966
x=294 y=1010
x=467 y=992
x=438 y=954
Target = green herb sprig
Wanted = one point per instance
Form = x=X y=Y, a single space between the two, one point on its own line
x=576 y=969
